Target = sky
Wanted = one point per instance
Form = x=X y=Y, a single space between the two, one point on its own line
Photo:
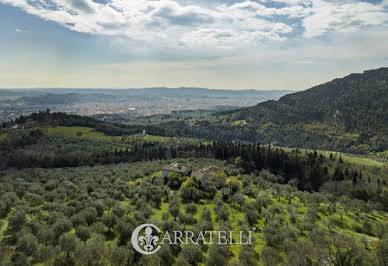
x=218 y=44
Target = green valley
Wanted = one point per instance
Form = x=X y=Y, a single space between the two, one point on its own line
x=310 y=186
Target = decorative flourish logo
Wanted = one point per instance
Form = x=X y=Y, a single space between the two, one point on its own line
x=145 y=242
x=148 y=241
x=146 y=238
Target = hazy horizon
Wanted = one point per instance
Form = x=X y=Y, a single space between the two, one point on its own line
x=183 y=87
x=200 y=88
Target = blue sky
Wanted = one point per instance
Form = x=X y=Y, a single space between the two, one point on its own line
x=221 y=44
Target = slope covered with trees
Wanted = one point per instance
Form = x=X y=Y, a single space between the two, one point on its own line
x=348 y=114
x=74 y=188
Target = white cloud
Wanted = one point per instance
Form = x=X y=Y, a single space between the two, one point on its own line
x=165 y=21
x=169 y=23
x=20 y=30
x=339 y=17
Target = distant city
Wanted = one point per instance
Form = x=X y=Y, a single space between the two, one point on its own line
x=130 y=102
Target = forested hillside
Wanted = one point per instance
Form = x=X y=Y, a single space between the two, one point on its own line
x=348 y=114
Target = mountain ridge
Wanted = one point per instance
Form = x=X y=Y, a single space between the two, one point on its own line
x=356 y=104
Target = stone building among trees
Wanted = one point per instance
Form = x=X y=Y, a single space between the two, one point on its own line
x=177 y=168
x=206 y=173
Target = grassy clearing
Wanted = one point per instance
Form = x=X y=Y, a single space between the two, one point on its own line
x=158 y=213
x=370 y=167
x=347 y=158
x=239 y=122
x=3 y=136
x=3 y=227
x=80 y=132
x=355 y=159
x=157 y=139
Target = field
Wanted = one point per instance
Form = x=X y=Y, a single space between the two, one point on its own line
x=79 y=132
x=373 y=167
x=90 y=133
